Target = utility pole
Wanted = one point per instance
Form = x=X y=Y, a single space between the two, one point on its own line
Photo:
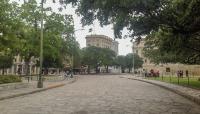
x=40 y=81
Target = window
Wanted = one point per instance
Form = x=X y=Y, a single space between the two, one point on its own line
x=167 y=69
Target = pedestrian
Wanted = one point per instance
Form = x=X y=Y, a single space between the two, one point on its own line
x=66 y=74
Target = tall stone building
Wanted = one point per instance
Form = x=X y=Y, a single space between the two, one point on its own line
x=163 y=68
x=102 y=41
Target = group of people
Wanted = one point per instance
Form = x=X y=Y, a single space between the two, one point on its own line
x=180 y=73
x=152 y=73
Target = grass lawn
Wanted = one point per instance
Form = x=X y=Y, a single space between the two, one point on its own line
x=193 y=81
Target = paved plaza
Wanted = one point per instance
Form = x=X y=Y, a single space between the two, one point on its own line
x=105 y=94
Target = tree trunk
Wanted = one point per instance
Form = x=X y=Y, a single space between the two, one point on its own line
x=88 y=70
x=106 y=69
x=96 y=69
x=3 y=71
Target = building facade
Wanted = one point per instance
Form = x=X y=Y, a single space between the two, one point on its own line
x=18 y=67
x=102 y=41
x=169 y=68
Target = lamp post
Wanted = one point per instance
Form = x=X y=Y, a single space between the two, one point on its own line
x=40 y=81
x=72 y=58
x=133 y=60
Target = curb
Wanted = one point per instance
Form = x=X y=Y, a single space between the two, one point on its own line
x=36 y=91
x=190 y=97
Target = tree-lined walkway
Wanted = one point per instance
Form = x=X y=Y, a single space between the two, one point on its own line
x=101 y=95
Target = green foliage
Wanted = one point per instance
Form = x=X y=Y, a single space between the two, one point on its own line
x=9 y=79
x=176 y=24
x=137 y=61
x=139 y=16
x=20 y=25
x=127 y=61
x=95 y=57
x=91 y=56
x=121 y=61
x=6 y=61
x=57 y=49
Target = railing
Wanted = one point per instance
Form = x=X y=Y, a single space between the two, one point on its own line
x=189 y=81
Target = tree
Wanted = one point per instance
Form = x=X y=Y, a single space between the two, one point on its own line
x=95 y=57
x=121 y=61
x=139 y=16
x=21 y=29
x=6 y=61
x=126 y=62
x=177 y=41
x=138 y=62
x=56 y=47
x=180 y=19
x=11 y=27
x=91 y=57
x=107 y=58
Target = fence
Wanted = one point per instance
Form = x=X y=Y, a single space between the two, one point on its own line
x=189 y=81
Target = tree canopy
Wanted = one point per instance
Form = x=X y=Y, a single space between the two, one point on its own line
x=172 y=26
x=126 y=62
x=20 y=33
x=95 y=57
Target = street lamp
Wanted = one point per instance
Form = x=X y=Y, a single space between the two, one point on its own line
x=72 y=59
x=133 y=60
x=40 y=81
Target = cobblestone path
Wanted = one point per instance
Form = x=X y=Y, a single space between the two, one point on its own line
x=101 y=95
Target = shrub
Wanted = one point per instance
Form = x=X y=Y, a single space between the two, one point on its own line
x=9 y=79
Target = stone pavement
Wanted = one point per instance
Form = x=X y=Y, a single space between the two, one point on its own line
x=101 y=95
x=192 y=94
x=31 y=88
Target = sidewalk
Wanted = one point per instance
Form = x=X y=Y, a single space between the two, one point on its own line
x=191 y=94
x=32 y=88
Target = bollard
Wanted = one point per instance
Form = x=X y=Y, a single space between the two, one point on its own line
x=170 y=78
x=188 y=80
x=28 y=78
x=178 y=80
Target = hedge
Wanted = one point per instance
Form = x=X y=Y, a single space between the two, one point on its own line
x=9 y=79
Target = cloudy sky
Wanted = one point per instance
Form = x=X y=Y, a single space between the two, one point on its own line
x=81 y=32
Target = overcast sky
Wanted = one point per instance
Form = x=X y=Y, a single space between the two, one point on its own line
x=81 y=32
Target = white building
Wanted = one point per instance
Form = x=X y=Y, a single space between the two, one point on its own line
x=102 y=41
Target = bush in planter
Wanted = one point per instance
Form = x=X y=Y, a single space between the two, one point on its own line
x=9 y=79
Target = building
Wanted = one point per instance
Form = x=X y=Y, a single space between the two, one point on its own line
x=18 y=67
x=102 y=41
x=169 y=68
